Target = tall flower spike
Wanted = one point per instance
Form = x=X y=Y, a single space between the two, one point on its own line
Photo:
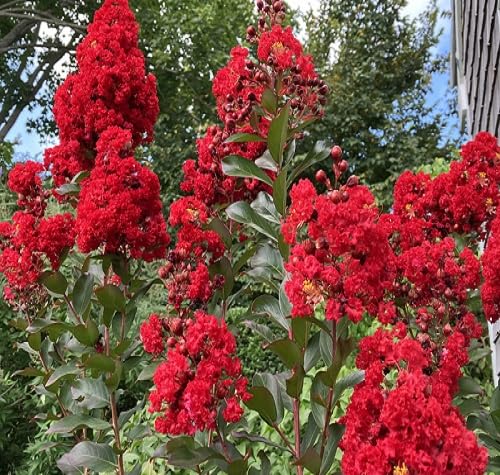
x=110 y=88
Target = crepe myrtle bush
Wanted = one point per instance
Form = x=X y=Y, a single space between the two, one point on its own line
x=323 y=255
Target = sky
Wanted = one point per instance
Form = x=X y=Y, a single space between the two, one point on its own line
x=32 y=144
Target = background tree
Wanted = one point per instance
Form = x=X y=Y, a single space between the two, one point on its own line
x=35 y=36
x=379 y=65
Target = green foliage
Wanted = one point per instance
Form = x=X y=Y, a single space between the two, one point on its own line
x=187 y=43
x=379 y=65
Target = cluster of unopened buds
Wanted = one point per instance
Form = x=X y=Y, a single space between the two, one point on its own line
x=339 y=167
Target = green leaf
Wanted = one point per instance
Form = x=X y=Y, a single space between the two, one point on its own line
x=288 y=351
x=269 y=305
x=242 y=212
x=256 y=439
x=349 y=381
x=87 y=333
x=468 y=386
x=41 y=324
x=310 y=434
x=267 y=263
x=319 y=397
x=147 y=373
x=234 y=165
x=317 y=155
x=62 y=372
x=495 y=400
x=182 y=452
x=54 y=281
x=266 y=162
x=90 y=393
x=68 y=189
x=311 y=460
x=295 y=383
x=76 y=421
x=278 y=132
x=263 y=330
x=269 y=100
x=335 y=433
x=101 y=362
x=243 y=137
x=97 y=457
x=312 y=353
x=300 y=330
x=263 y=402
x=280 y=192
x=326 y=348
x=29 y=372
x=265 y=207
x=82 y=292
x=110 y=296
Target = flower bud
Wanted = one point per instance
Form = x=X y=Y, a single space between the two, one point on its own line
x=336 y=153
x=353 y=180
x=321 y=176
x=251 y=31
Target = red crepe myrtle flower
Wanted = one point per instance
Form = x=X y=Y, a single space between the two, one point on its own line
x=280 y=45
x=201 y=372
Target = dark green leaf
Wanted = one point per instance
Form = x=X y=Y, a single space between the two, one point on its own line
x=312 y=353
x=295 y=383
x=87 y=333
x=288 y=351
x=234 y=165
x=311 y=460
x=221 y=229
x=348 y=382
x=97 y=457
x=280 y=192
x=82 y=292
x=278 y=132
x=62 y=372
x=110 y=296
x=147 y=373
x=269 y=305
x=317 y=155
x=243 y=213
x=101 y=362
x=243 y=137
x=90 y=393
x=263 y=402
x=76 y=421
x=334 y=434
x=269 y=100
x=54 y=281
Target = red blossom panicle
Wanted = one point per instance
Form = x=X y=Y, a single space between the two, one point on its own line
x=490 y=291
x=152 y=335
x=186 y=274
x=402 y=417
x=279 y=47
x=343 y=260
x=444 y=202
x=29 y=244
x=25 y=180
x=201 y=373
x=110 y=89
x=120 y=210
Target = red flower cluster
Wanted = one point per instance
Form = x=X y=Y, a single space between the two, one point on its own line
x=25 y=180
x=28 y=245
x=186 y=274
x=490 y=291
x=344 y=259
x=110 y=89
x=201 y=371
x=445 y=202
x=120 y=207
x=401 y=418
